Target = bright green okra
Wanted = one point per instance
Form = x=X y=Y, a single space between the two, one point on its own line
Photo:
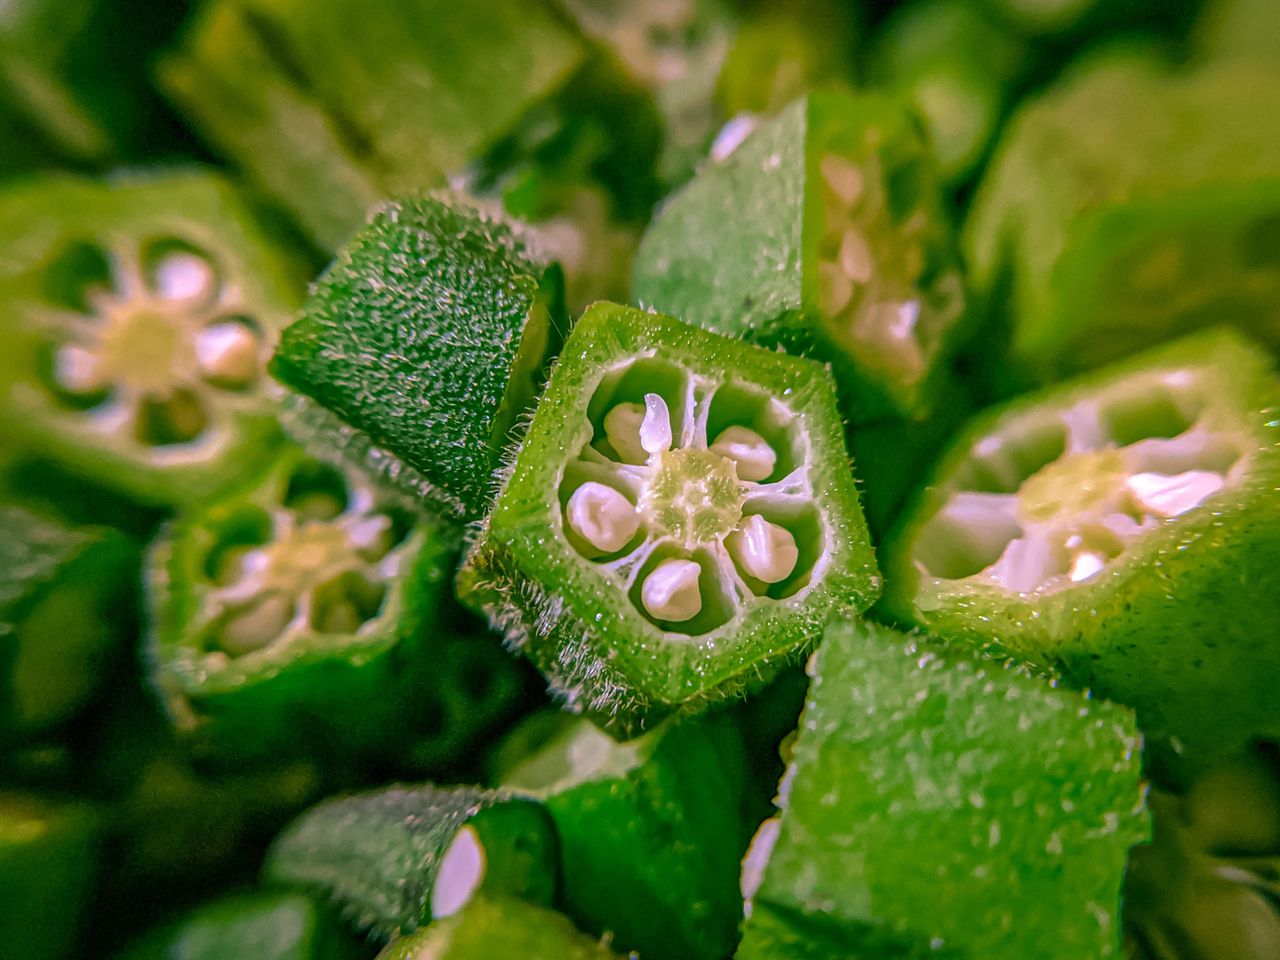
x=397 y=858
x=823 y=234
x=421 y=346
x=138 y=317
x=678 y=523
x=939 y=803
x=1114 y=528
x=1129 y=205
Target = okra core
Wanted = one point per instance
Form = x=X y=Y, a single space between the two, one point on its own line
x=692 y=496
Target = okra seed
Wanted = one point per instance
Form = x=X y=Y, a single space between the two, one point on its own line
x=257 y=627
x=750 y=452
x=890 y=330
x=462 y=870
x=655 y=428
x=855 y=256
x=671 y=591
x=1085 y=565
x=228 y=353
x=184 y=276
x=1172 y=496
x=764 y=550
x=78 y=370
x=835 y=289
x=622 y=429
x=756 y=859
x=843 y=178
x=602 y=516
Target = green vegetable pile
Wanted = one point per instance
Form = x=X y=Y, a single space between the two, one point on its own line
x=675 y=479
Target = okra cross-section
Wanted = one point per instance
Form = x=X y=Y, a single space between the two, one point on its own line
x=823 y=233
x=138 y=318
x=678 y=522
x=1117 y=529
x=310 y=594
x=421 y=346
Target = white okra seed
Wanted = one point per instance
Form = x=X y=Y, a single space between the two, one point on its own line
x=77 y=369
x=750 y=452
x=764 y=550
x=756 y=859
x=257 y=627
x=843 y=178
x=835 y=289
x=462 y=870
x=671 y=591
x=184 y=276
x=622 y=429
x=1172 y=496
x=602 y=516
x=655 y=428
x=855 y=256
x=228 y=353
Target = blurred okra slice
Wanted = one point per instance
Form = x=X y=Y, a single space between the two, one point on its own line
x=48 y=862
x=1115 y=529
x=397 y=858
x=138 y=317
x=824 y=234
x=678 y=523
x=1130 y=204
x=296 y=616
x=421 y=346
x=490 y=927
x=67 y=601
x=939 y=802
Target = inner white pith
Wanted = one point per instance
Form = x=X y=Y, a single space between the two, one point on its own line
x=875 y=288
x=1056 y=497
x=320 y=562
x=155 y=344
x=693 y=496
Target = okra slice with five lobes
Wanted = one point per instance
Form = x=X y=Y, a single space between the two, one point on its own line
x=297 y=615
x=1095 y=252
x=1114 y=529
x=678 y=522
x=650 y=831
x=138 y=316
x=822 y=233
x=421 y=346
x=67 y=600
x=942 y=803
x=397 y=858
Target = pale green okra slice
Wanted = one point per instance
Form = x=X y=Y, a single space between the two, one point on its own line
x=678 y=522
x=1115 y=529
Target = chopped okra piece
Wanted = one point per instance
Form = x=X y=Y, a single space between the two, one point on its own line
x=311 y=594
x=678 y=523
x=499 y=927
x=1113 y=529
x=1096 y=250
x=138 y=317
x=823 y=234
x=66 y=600
x=420 y=348
x=939 y=803
x=273 y=925
x=48 y=858
x=649 y=831
x=397 y=858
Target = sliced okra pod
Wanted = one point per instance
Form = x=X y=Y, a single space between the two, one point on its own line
x=822 y=234
x=397 y=858
x=138 y=318
x=491 y=927
x=1109 y=528
x=66 y=600
x=679 y=521
x=942 y=803
x=1096 y=252
x=311 y=594
x=649 y=832
x=421 y=346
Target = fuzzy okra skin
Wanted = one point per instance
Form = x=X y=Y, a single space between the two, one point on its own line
x=420 y=347
x=678 y=523
x=823 y=233
x=1096 y=252
x=650 y=832
x=296 y=615
x=1113 y=529
x=397 y=858
x=66 y=600
x=942 y=803
x=138 y=316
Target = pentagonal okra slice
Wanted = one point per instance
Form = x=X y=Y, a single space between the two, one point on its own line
x=139 y=317
x=1097 y=253
x=1014 y=802
x=397 y=858
x=309 y=594
x=422 y=345
x=822 y=233
x=1114 y=528
x=678 y=521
